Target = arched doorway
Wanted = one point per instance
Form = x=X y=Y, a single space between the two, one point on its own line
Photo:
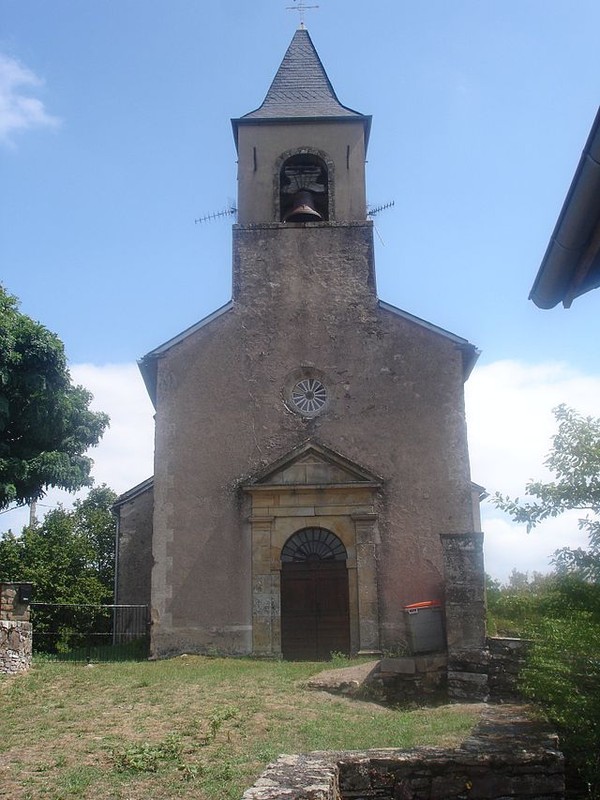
x=315 y=616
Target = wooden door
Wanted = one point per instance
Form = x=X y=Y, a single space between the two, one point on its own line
x=315 y=614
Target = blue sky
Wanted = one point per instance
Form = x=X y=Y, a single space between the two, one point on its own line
x=115 y=136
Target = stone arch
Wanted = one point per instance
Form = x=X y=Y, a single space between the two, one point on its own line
x=315 y=173
x=313 y=544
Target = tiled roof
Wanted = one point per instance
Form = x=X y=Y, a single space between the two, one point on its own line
x=301 y=87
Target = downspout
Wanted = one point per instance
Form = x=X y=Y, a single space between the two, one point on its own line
x=117 y=516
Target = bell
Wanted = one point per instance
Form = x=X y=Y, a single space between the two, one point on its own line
x=303 y=208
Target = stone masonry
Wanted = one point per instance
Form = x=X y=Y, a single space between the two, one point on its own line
x=468 y=655
x=15 y=631
x=509 y=754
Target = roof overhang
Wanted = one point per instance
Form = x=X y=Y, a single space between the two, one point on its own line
x=571 y=265
x=469 y=352
x=148 y=364
x=132 y=493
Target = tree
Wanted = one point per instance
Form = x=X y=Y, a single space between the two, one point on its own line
x=70 y=555
x=46 y=424
x=561 y=614
x=575 y=461
x=70 y=559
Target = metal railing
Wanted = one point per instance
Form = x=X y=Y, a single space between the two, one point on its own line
x=90 y=632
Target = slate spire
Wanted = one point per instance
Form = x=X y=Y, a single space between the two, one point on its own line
x=301 y=87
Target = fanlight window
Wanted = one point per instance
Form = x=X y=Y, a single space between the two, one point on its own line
x=313 y=544
x=304 y=189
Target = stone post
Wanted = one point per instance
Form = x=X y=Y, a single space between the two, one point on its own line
x=465 y=616
x=266 y=613
x=15 y=630
x=368 y=600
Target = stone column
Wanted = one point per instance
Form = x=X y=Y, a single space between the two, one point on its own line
x=465 y=616
x=15 y=630
x=266 y=614
x=367 y=537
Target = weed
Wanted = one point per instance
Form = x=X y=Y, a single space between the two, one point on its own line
x=148 y=757
x=221 y=715
x=339 y=660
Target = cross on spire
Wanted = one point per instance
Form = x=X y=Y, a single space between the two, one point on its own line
x=301 y=7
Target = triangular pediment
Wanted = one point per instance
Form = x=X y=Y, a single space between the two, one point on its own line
x=314 y=465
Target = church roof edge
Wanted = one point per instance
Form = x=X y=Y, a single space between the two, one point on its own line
x=147 y=364
x=134 y=492
x=471 y=352
x=162 y=348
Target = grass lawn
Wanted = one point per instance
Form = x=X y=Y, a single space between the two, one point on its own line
x=188 y=727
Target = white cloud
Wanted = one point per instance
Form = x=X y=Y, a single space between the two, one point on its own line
x=509 y=414
x=19 y=110
x=124 y=456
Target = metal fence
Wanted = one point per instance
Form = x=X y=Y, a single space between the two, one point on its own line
x=86 y=632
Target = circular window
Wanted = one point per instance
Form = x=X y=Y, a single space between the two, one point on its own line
x=309 y=396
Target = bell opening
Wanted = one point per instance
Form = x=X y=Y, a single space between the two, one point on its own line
x=304 y=189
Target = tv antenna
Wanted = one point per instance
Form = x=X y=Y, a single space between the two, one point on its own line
x=301 y=7
x=227 y=212
x=372 y=212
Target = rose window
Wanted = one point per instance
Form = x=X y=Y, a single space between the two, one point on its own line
x=309 y=396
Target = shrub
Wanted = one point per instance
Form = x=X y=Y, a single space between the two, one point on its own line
x=562 y=674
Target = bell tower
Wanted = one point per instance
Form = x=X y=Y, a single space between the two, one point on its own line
x=301 y=154
x=302 y=238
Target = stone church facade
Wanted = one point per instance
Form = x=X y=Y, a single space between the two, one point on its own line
x=311 y=447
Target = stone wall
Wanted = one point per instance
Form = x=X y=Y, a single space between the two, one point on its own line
x=15 y=631
x=465 y=616
x=506 y=659
x=424 y=678
x=134 y=511
x=407 y=680
x=508 y=755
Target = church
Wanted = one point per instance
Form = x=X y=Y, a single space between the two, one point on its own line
x=311 y=449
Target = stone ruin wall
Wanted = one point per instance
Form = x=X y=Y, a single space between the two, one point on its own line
x=15 y=631
x=509 y=754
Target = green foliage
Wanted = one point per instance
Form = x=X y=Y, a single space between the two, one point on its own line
x=515 y=606
x=69 y=556
x=148 y=757
x=561 y=616
x=575 y=461
x=218 y=718
x=46 y=425
x=563 y=675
